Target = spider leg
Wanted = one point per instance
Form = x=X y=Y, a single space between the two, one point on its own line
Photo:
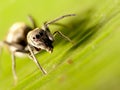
x=61 y=34
x=1 y=46
x=2 y=43
x=35 y=60
x=32 y=20
x=14 y=67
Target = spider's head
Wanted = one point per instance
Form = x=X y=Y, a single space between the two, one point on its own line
x=41 y=39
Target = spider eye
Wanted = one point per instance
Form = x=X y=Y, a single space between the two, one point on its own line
x=41 y=33
x=37 y=36
x=33 y=37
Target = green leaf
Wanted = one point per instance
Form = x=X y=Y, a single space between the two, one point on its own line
x=91 y=63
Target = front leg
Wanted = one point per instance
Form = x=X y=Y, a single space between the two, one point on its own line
x=61 y=34
x=35 y=60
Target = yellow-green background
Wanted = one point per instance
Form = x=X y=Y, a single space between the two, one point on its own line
x=91 y=63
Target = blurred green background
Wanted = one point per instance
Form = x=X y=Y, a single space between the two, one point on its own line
x=91 y=63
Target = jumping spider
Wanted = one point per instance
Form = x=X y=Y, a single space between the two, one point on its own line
x=22 y=39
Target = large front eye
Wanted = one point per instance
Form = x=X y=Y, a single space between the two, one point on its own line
x=41 y=33
x=37 y=36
